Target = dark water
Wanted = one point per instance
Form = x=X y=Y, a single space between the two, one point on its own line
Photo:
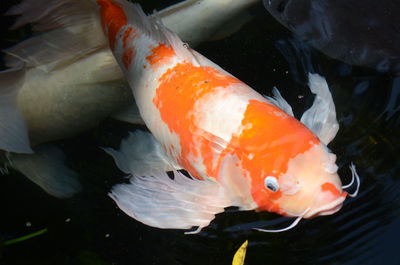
x=90 y=229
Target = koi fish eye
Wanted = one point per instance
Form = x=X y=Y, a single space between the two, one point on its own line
x=271 y=183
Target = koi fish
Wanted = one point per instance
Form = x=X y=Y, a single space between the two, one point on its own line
x=68 y=67
x=239 y=148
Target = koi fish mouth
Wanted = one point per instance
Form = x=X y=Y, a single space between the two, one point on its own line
x=327 y=209
x=332 y=210
x=337 y=204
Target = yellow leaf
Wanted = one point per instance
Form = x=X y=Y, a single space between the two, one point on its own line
x=240 y=254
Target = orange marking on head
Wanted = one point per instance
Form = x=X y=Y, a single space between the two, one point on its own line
x=272 y=207
x=113 y=18
x=180 y=88
x=327 y=186
x=273 y=137
x=160 y=54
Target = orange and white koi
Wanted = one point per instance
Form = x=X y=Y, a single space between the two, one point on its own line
x=240 y=148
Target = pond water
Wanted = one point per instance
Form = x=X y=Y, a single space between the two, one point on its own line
x=90 y=229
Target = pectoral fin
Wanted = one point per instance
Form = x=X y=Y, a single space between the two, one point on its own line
x=321 y=117
x=280 y=102
x=155 y=199
x=180 y=203
x=140 y=153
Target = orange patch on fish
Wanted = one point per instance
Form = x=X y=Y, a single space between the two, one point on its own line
x=180 y=88
x=273 y=138
x=330 y=187
x=129 y=50
x=127 y=57
x=113 y=18
x=127 y=36
x=160 y=54
x=272 y=207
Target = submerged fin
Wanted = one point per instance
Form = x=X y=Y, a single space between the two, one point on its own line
x=321 y=117
x=13 y=130
x=67 y=30
x=130 y=114
x=140 y=153
x=280 y=102
x=46 y=168
x=181 y=203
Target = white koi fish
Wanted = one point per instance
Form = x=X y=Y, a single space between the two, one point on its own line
x=240 y=148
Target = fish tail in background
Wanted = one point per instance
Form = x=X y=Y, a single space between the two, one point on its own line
x=46 y=168
x=13 y=130
x=67 y=30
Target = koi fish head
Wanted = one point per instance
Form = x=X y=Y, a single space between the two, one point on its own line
x=292 y=173
x=309 y=187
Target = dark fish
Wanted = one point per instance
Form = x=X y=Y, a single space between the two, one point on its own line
x=363 y=33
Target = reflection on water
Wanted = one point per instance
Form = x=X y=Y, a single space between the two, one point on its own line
x=89 y=229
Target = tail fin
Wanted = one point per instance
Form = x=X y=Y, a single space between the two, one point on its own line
x=67 y=30
x=13 y=130
x=47 y=169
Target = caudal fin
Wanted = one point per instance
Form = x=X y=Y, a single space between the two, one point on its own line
x=13 y=130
